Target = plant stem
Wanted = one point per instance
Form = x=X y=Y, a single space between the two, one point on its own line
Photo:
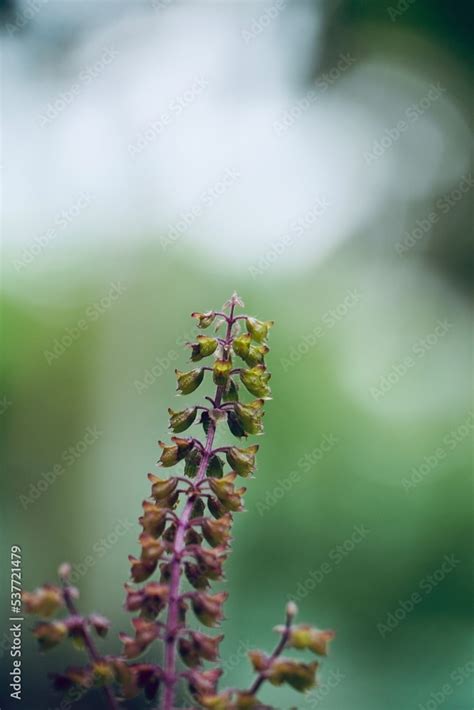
x=171 y=632
x=92 y=651
x=279 y=648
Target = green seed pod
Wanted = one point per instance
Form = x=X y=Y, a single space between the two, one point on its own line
x=256 y=354
x=250 y=416
x=301 y=676
x=255 y=380
x=221 y=372
x=189 y=381
x=172 y=453
x=241 y=345
x=242 y=460
x=305 y=637
x=258 y=329
x=203 y=348
x=180 y=421
x=204 y=319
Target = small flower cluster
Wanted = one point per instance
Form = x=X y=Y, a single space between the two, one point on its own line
x=186 y=533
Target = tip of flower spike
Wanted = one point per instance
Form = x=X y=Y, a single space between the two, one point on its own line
x=291 y=610
x=64 y=571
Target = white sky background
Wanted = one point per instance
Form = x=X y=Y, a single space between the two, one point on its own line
x=159 y=54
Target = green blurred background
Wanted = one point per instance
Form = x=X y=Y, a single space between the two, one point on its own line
x=361 y=506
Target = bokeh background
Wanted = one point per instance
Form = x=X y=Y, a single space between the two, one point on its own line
x=316 y=158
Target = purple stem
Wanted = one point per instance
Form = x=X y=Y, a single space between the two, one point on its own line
x=172 y=625
x=262 y=677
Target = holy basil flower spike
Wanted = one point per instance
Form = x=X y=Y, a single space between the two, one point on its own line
x=185 y=538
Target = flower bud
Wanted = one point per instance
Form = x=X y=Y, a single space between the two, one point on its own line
x=64 y=571
x=50 y=633
x=221 y=372
x=162 y=487
x=204 y=319
x=255 y=380
x=180 y=421
x=189 y=381
x=242 y=460
x=241 y=345
x=208 y=607
x=258 y=329
x=256 y=355
x=204 y=347
x=44 y=601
